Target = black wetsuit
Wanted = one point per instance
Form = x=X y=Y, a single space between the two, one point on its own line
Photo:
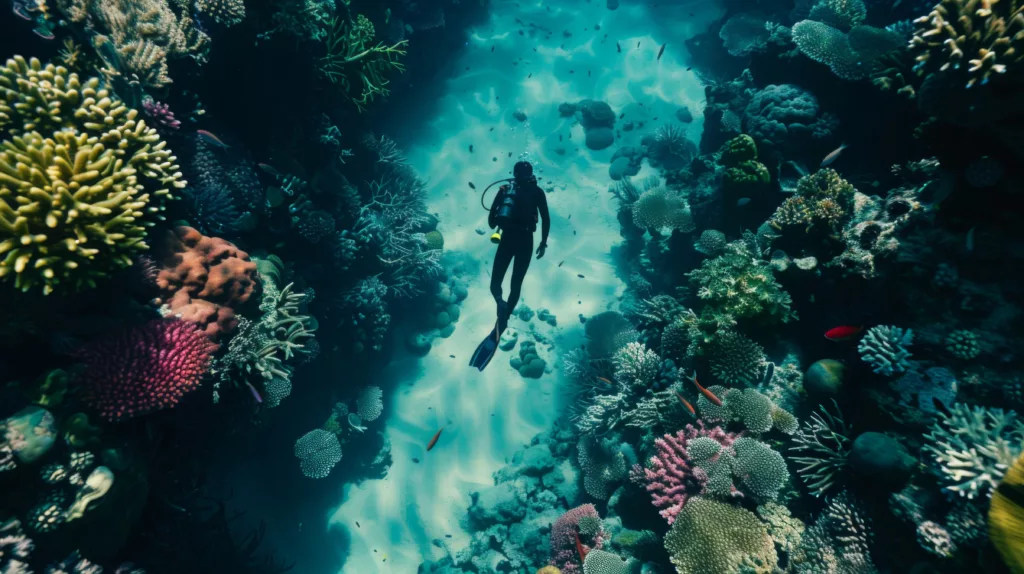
x=517 y=240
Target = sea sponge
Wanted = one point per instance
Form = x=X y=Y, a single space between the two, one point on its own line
x=885 y=349
x=318 y=451
x=736 y=359
x=824 y=378
x=81 y=178
x=714 y=537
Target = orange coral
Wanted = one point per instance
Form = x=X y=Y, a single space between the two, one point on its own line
x=205 y=279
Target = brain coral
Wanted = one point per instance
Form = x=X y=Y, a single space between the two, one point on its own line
x=786 y=116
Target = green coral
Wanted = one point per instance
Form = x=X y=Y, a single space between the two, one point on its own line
x=714 y=537
x=850 y=56
x=434 y=240
x=784 y=529
x=356 y=63
x=82 y=177
x=761 y=471
x=736 y=359
x=963 y=344
x=601 y=562
x=744 y=176
x=662 y=208
x=259 y=351
x=738 y=284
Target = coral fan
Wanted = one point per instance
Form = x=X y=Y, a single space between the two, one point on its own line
x=144 y=369
x=205 y=279
x=973 y=447
x=718 y=538
x=318 y=451
x=81 y=178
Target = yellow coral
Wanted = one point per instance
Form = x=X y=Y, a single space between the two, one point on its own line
x=224 y=12
x=549 y=570
x=81 y=177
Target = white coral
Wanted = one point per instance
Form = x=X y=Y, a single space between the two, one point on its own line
x=974 y=446
x=636 y=365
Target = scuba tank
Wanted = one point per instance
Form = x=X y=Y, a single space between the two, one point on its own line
x=506 y=209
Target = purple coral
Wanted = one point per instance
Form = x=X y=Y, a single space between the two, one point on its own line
x=671 y=478
x=563 y=538
x=160 y=113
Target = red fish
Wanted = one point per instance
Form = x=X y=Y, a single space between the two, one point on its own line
x=843 y=332
x=707 y=394
x=210 y=138
x=433 y=441
x=686 y=404
x=580 y=548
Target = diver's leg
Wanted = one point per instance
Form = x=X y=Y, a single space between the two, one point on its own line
x=502 y=259
x=524 y=253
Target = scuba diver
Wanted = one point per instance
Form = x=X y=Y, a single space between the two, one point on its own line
x=514 y=212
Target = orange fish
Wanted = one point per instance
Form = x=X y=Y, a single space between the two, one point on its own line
x=606 y=381
x=433 y=441
x=707 y=394
x=580 y=548
x=211 y=139
x=686 y=404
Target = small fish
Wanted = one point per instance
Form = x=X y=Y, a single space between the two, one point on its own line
x=447 y=535
x=618 y=48
x=707 y=394
x=470 y=148
x=270 y=169
x=686 y=404
x=433 y=441
x=742 y=201
x=387 y=15
x=580 y=275
x=661 y=51
x=638 y=44
x=509 y=154
x=471 y=186
x=211 y=139
x=768 y=373
x=561 y=262
x=357 y=524
x=970 y=240
x=588 y=73
x=416 y=460
x=688 y=68
x=843 y=332
x=255 y=394
x=492 y=48
x=833 y=156
x=604 y=380
x=530 y=76
x=579 y=547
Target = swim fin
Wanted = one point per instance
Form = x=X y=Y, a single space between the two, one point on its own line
x=486 y=349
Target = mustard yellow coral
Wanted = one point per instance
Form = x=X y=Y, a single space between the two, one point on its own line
x=81 y=177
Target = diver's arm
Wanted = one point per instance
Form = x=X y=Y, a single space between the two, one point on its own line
x=545 y=218
x=492 y=216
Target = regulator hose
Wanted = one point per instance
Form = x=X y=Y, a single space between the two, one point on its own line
x=484 y=193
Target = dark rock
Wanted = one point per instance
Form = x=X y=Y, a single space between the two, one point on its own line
x=882 y=460
x=824 y=378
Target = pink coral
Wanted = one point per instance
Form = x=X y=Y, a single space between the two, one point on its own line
x=161 y=113
x=563 y=538
x=205 y=279
x=144 y=369
x=671 y=478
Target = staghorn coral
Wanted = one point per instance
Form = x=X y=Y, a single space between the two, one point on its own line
x=718 y=538
x=144 y=369
x=885 y=349
x=973 y=447
x=824 y=445
x=736 y=359
x=972 y=40
x=81 y=178
x=318 y=451
x=357 y=64
x=740 y=285
x=224 y=12
x=662 y=209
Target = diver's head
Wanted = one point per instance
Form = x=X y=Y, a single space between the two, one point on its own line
x=522 y=171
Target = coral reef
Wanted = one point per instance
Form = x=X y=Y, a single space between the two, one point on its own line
x=718 y=538
x=738 y=285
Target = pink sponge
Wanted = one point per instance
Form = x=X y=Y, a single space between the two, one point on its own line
x=144 y=369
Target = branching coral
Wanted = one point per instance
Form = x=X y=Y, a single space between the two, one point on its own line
x=636 y=366
x=718 y=538
x=357 y=64
x=145 y=369
x=81 y=178
x=824 y=444
x=318 y=451
x=988 y=34
x=885 y=349
x=224 y=12
x=740 y=285
x=662 y=209
x=838 y=543
x=973 y=447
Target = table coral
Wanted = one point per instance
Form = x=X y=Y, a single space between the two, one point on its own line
x=718 y=538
